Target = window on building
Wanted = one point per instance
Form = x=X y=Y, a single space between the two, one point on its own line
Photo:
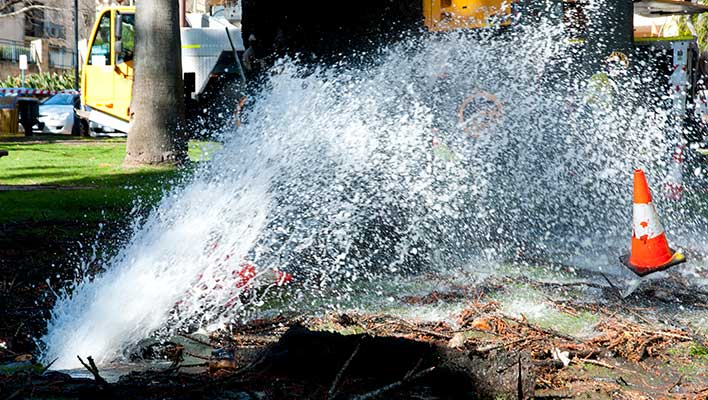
x=101 y=46
x=34 y=22
x=52 y=30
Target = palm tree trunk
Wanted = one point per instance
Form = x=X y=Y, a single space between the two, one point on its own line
x=157 y=109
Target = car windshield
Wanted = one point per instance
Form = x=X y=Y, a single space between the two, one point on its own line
x=61 y=99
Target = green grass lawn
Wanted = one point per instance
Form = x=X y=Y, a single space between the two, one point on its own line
x=80 y=179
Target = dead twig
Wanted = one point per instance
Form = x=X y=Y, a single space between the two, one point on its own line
x=410 y=377
x=489 y=348
x=519 y=384
x=333 y=389
x=640 y=316
x=594 y=362
x=550 y=332
x=678 y=383
x=253 y=364
x=46 y=367
x=93 y=370
x=617 y=292
x=416 y=328
x=196 y=340
x=26 y=9
x=198 y=365
x=14 y=394
x=206 y=358
x=17 y=331
x=672 y=335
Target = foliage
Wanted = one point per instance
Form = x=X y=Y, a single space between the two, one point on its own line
x=43 y=80
x=699 y=351
x=700 y=23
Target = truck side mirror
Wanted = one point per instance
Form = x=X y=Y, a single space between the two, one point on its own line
x=118 y=47
x=118 y=27
x=118 y=35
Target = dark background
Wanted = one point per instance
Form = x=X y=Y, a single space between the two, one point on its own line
x=319 y=28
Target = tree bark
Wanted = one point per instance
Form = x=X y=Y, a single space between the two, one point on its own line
x=157 y=110
x=610 y=29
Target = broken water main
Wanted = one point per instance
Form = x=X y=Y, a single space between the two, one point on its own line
x=368 y=182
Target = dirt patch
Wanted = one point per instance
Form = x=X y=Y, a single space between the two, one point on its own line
x=314 y=365
x=490 y=356
x=637 y=348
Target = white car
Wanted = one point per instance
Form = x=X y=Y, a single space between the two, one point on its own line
x=57 y=116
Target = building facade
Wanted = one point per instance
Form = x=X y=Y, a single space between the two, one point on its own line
x=45 y=34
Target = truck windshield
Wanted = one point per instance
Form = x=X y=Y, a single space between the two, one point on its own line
x=101 y=46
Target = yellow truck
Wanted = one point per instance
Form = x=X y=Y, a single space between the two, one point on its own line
x=211 y=48
x=210 y=55
x=443 y=15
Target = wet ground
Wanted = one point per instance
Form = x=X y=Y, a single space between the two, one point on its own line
x=574 y=332
x=570 y=332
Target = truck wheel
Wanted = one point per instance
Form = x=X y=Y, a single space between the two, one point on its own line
x=84 y=129
x=76 y=127
x=80 y=128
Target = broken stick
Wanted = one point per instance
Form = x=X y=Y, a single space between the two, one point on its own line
x=333 y=389
x=410 y=376
x=93 y=370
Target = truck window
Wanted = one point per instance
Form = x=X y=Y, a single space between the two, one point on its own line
x=101 y=45
x=128 y=41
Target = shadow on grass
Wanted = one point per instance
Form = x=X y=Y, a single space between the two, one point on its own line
x=109 y=198
x=49 y=139
x=34 y=175
x=38 y=167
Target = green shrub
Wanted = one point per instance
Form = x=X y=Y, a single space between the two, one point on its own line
x=43 y=81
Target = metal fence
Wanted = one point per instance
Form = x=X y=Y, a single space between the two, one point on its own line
x=11 y=51
x=61 y=58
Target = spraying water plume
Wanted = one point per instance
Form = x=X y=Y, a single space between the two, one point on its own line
x=345 y=176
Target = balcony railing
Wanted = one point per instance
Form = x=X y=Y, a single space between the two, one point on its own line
x=11 y=51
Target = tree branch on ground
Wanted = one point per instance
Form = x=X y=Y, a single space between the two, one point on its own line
x=93 y=369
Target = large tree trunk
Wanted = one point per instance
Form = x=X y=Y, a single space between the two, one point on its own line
x=157 y=109
x=611 y=28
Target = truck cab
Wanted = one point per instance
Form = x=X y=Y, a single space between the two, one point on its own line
x=443 y=15
x=210 y=55
x=108 y=73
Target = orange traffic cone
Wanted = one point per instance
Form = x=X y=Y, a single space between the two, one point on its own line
x=650 y=249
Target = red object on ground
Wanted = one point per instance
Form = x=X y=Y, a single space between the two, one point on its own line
x=246 y=273
x=283 y=278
